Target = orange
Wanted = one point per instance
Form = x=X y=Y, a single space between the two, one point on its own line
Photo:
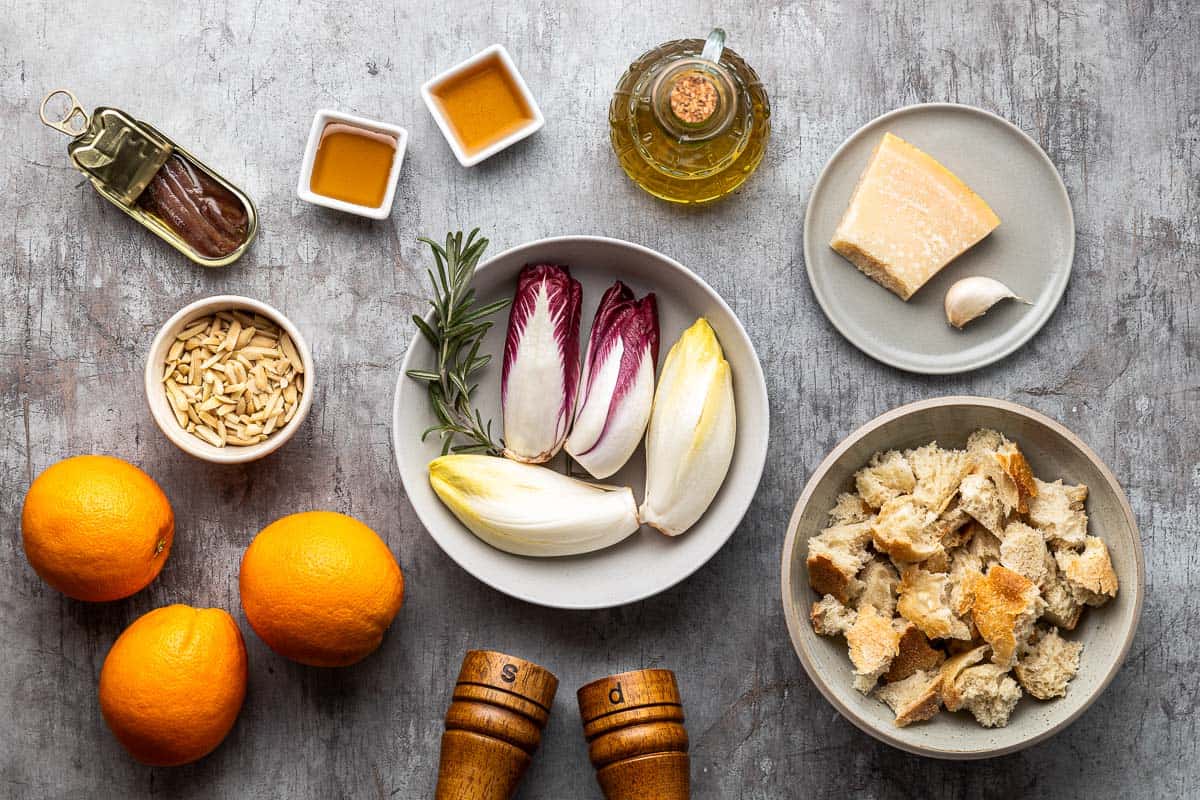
x=173 y=683
x=96 y=528
x=320 y=588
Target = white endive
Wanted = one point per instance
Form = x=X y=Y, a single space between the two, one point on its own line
x=541 y=363
x=530 y=510
x=689 y=443
x=617 y=388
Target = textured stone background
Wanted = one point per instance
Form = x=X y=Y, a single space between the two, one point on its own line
x=1110 y=90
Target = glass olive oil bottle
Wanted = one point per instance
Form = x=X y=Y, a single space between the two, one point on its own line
x=690 y=120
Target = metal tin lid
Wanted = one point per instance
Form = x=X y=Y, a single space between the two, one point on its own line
x=118 y=154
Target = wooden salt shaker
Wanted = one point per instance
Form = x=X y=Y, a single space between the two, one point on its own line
x=633 y=723
x=493 y=726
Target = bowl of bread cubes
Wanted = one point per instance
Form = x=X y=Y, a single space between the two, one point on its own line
x=962 y=577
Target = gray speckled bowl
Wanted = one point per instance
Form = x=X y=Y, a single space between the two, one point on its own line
x=1053 y=452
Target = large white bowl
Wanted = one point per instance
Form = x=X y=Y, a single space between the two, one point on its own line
x=1053 y=452
x=647 y=562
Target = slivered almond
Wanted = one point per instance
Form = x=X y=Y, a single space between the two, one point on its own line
x=209 y=435
x=211 y=361
x=231 y=335
x=289 y=352
x=242 y=441
x=188 y=333
x=233 y=378
x=177 y=397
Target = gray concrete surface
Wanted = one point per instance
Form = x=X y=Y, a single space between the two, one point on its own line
x=1110 y=90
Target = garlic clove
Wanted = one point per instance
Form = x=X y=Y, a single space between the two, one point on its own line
x=971 y=297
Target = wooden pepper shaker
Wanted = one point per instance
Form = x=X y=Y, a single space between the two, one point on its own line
x=493 y=726
x=633 y=723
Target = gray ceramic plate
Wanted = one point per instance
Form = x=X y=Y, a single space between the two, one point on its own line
x=1031 y=251
x=647 y=562
x=1053 y=452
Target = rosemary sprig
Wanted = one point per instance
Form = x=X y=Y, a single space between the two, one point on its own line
x=456 y=335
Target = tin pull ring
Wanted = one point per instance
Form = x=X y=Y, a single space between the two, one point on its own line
x=64 y=125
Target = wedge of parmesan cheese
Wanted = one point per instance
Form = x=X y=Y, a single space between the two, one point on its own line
x=909 y=217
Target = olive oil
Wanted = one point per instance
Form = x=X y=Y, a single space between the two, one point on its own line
x=689 y=120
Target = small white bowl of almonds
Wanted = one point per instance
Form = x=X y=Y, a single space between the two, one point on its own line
x=229 y=379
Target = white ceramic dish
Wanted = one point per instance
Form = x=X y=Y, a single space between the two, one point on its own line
x=647 y=562
x=439 y=116
x=304 y=186
x=1106 y=632
x=1031 y=251
x=160 y=407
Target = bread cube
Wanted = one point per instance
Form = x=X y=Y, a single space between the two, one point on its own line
x=1089 y=573
x=913 y=699
x=873 y=642
x=902 y=530
x=834 y=558
x=1049 y=665
x=925 y=602
x=886 y=475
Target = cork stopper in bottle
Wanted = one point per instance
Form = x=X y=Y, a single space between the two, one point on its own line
x=693 y=98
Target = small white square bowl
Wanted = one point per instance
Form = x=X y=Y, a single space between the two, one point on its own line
x=323 y=118
x=431 y=102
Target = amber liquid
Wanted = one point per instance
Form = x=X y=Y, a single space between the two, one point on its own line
x=483 y=105
x=353 y=165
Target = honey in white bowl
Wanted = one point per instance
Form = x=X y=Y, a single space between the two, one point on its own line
x=353 y=164
x=483 y=104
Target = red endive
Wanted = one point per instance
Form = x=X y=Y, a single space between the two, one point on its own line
x=541 y=363
x=617 y=388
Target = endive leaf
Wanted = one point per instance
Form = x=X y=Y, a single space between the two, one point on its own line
x=541 y=363
x=617 y=388
x=690 y=439
x=530 y=510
